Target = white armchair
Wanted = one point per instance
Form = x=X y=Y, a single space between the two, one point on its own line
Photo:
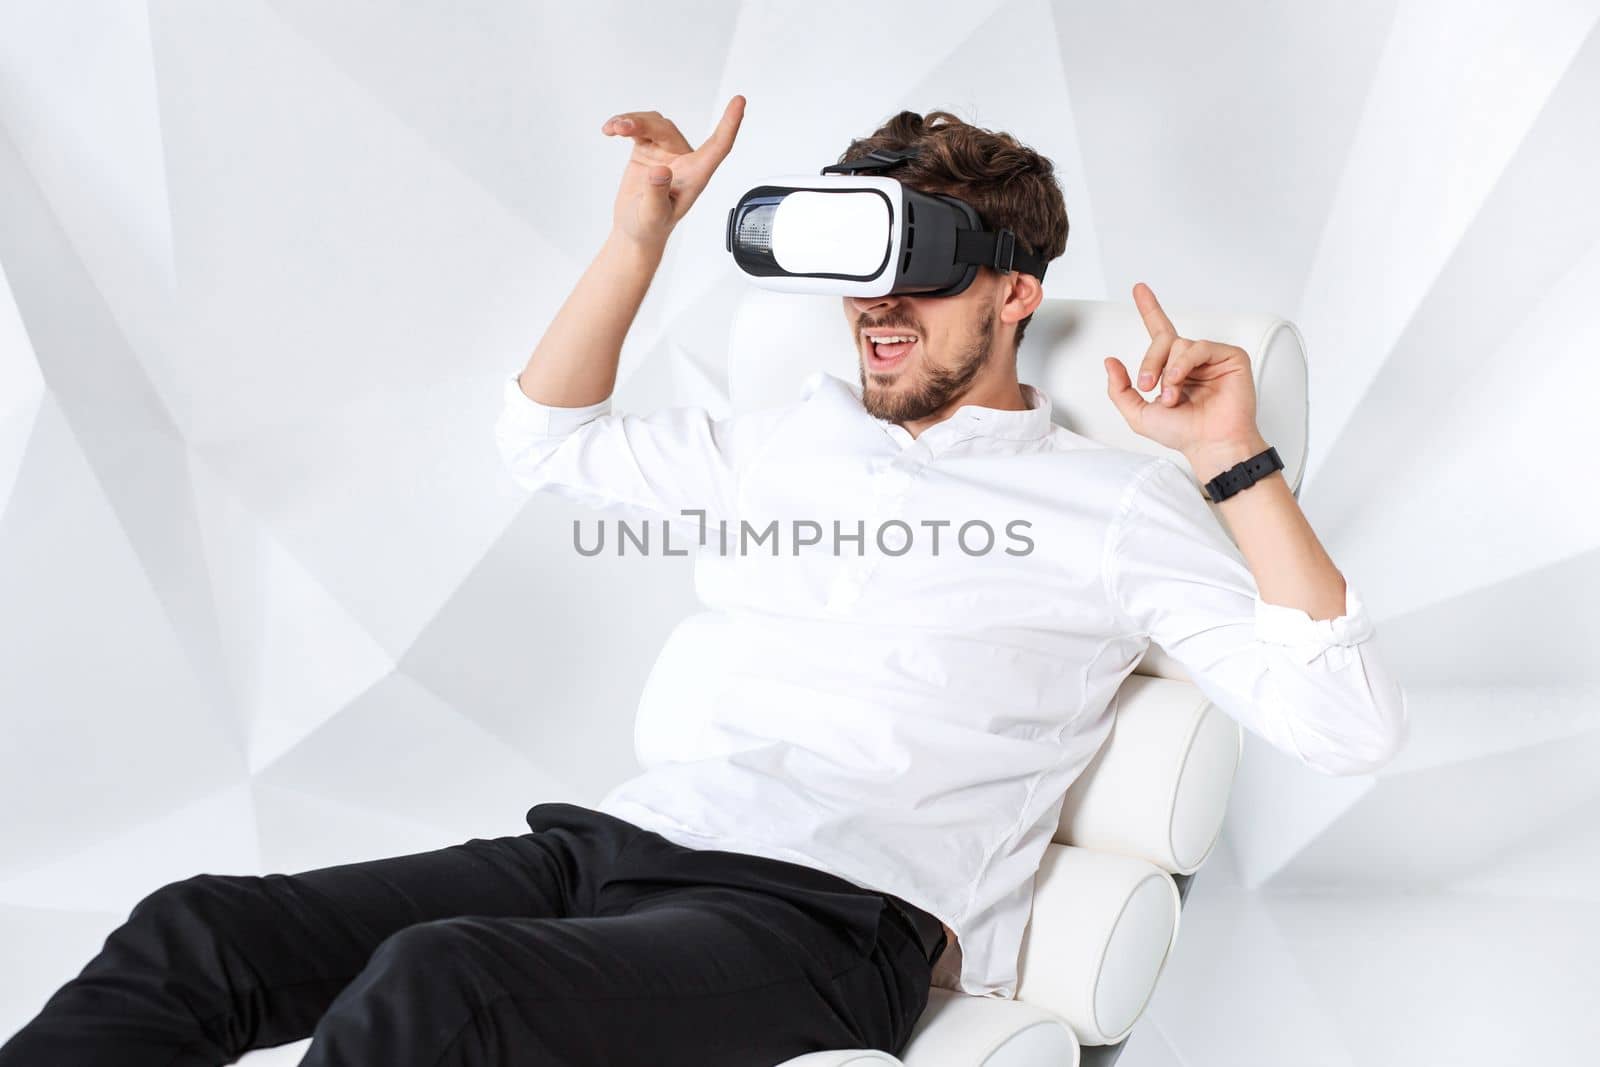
x=1145 y=813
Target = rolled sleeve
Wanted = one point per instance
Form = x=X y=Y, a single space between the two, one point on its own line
x=523 y=416
x=1317 y=689
x=1326 y=644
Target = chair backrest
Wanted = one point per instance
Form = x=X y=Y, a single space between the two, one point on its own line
x=1147 y=811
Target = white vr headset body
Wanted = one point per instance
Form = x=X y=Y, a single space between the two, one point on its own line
x=853 y=233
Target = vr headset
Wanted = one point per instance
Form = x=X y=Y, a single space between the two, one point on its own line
x=855 y=233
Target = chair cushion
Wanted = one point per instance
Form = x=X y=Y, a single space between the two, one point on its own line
x=1149 y=805
x=1158 y=788
x=1102 y=927
x=959 y=1030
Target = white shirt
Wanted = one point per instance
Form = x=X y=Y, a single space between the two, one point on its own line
x=911 y=722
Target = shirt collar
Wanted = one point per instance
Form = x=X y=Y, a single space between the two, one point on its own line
x=968 y=420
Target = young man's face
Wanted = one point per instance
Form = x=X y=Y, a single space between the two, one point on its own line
x=954 y=338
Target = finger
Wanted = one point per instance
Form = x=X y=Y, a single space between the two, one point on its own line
x=655 y=205
x=1155 y=358
x=1155 y=320
x=1122 y=393
x=645 y=130
x=649 y=126
x=1186 y=356
x=720 y=143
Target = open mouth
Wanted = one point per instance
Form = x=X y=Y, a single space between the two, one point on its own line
x=889 y=352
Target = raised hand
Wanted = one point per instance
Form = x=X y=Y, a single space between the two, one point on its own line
x=664 y=175
x=1208 y=395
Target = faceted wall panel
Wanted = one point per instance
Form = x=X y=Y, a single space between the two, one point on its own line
x=269 y=603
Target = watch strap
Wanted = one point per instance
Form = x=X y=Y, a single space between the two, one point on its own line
x=1243 y=475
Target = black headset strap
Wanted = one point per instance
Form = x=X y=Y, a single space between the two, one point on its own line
x=997 y=249
x=877 y=159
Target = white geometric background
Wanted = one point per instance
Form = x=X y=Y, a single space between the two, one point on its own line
x=267 y=601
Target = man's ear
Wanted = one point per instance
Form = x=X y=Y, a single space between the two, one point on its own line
x=1022 y=294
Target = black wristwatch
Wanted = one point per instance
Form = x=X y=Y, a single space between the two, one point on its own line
x=1243 y=475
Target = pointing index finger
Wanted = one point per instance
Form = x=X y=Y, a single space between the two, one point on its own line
x=1155 y=320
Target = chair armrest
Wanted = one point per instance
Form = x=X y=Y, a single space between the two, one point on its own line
x=961 y=1030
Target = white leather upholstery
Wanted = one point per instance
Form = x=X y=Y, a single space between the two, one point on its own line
x=1151 y=803
x=1158 y=787
x=279 y=1056
x=290 y=1055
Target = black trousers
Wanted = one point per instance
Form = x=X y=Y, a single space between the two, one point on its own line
x=585 y=941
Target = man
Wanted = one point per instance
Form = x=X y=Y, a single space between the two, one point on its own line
x=849 y=799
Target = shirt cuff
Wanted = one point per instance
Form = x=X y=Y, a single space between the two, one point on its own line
x=1306 y=638
x=546 y=420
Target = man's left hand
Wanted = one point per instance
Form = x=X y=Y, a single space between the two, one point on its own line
x=1207 y=404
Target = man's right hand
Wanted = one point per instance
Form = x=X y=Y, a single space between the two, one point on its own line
x=664 y=176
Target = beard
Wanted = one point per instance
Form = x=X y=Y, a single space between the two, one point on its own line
x=935 y=387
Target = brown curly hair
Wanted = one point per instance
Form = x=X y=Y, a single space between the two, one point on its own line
x=1006 y=182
